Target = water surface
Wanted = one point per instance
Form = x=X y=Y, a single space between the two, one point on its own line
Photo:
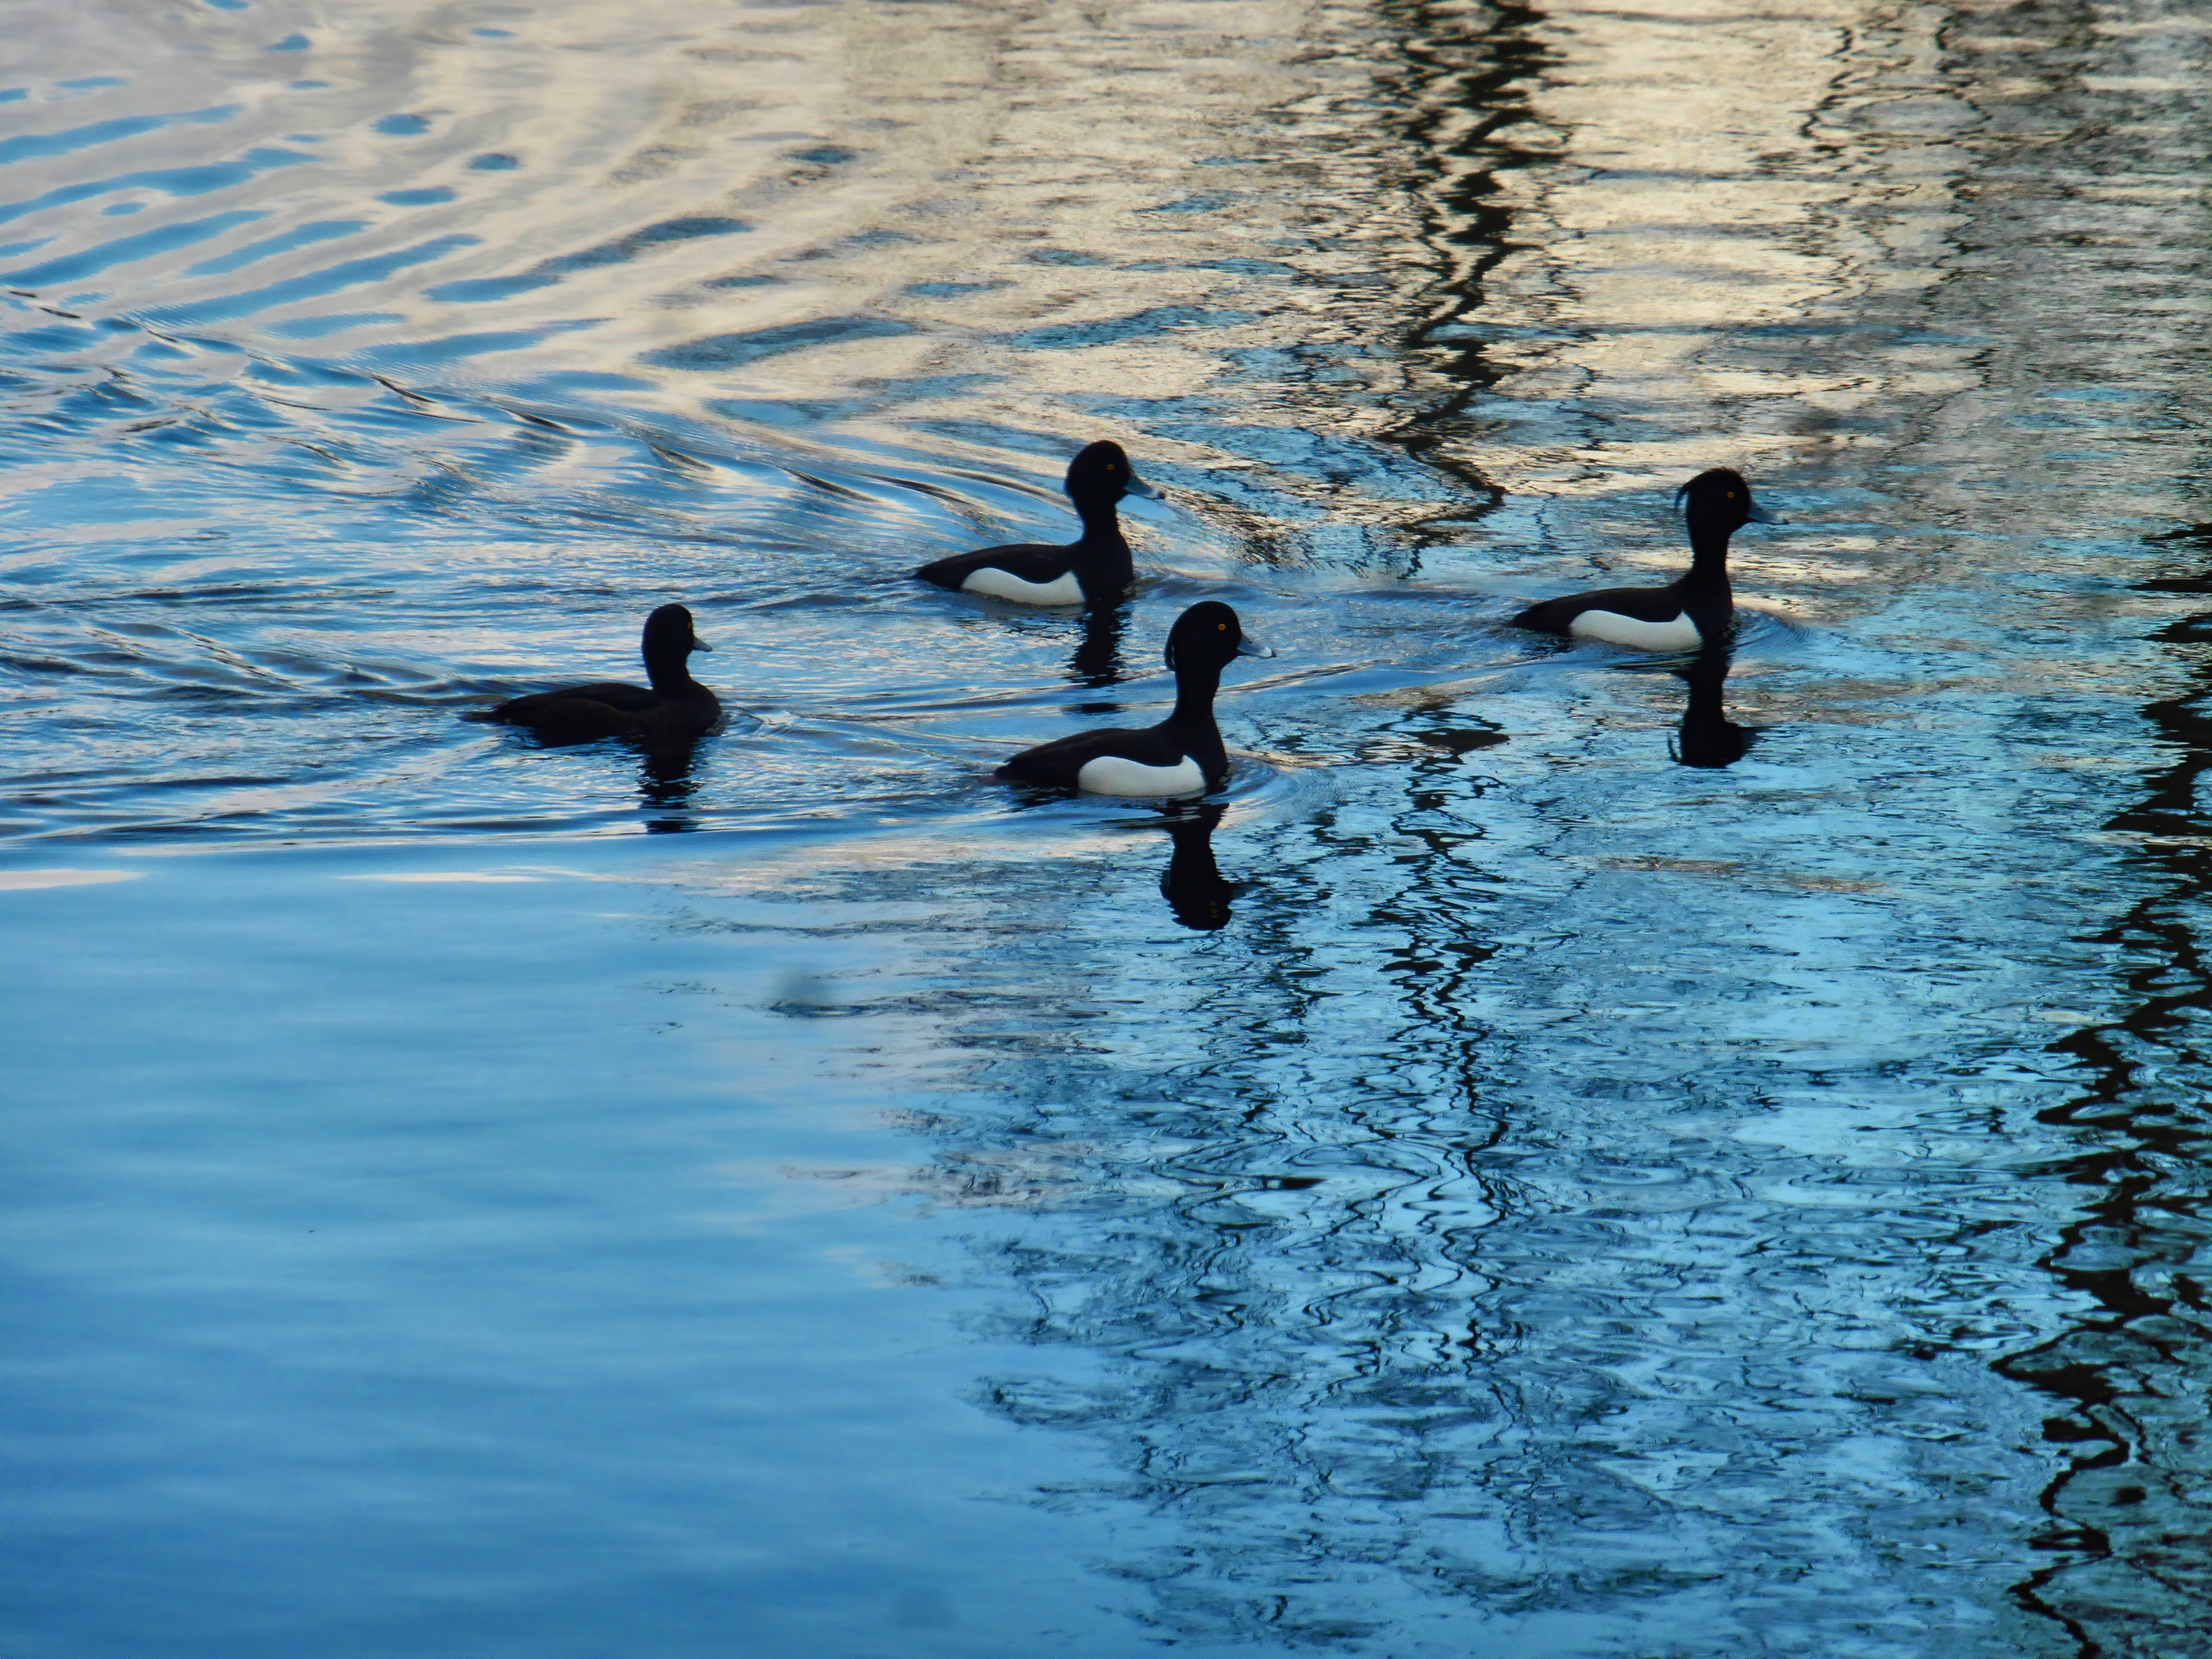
x=1565 y=1157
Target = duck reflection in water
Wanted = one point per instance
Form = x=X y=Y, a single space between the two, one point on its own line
x=666 y=787
x=1193 y=884
x=1709 y=738
x=1097 y=663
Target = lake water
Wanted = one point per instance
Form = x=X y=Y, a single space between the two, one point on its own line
x=1502 y=1180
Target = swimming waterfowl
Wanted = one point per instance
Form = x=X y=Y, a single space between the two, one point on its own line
x=674 y=709
x=1693 y=611
x=1093 y=568
x=1181 y=756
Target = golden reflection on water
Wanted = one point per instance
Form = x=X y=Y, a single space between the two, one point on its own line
x=941 y=175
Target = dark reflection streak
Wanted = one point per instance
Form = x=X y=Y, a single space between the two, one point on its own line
x=1436 y=974
x=1708 y=736
x=1312 y=1358
x=1453 y=71
x=664 y=784
x=2118 y=1374
x=1412 y=1297
x=1366 y=1285
x=1461 y=212
x=1097 y=663
x=1193 y=884
x=2150 y=1138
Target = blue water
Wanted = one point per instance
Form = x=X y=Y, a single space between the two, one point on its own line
x=1561 y=1158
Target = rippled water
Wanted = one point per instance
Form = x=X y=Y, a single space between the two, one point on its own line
x=1566 y=1159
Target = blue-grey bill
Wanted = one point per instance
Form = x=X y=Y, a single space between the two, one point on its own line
x=1765 y=515
x=698 y=644
x=1249 y=646
x=1137 y=486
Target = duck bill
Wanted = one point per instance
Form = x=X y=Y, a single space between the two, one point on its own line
x=1765 y=515
x=1136 y=486
x=1249 y=646
x=701 y=645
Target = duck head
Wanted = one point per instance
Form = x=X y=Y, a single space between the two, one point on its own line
x=1209 y=636
x=669 y=643
x=1101 y=475
x=1718 y=502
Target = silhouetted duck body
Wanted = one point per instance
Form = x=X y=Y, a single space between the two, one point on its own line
x=1697 y=610
x=1181 y=756
x=1094 y=567
x=672 y=710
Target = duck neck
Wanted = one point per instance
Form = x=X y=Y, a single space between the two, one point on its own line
x=669 y=673
x=1101 y=546
x=1194 y=690
x=1709 y=556
x=1192 y=723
